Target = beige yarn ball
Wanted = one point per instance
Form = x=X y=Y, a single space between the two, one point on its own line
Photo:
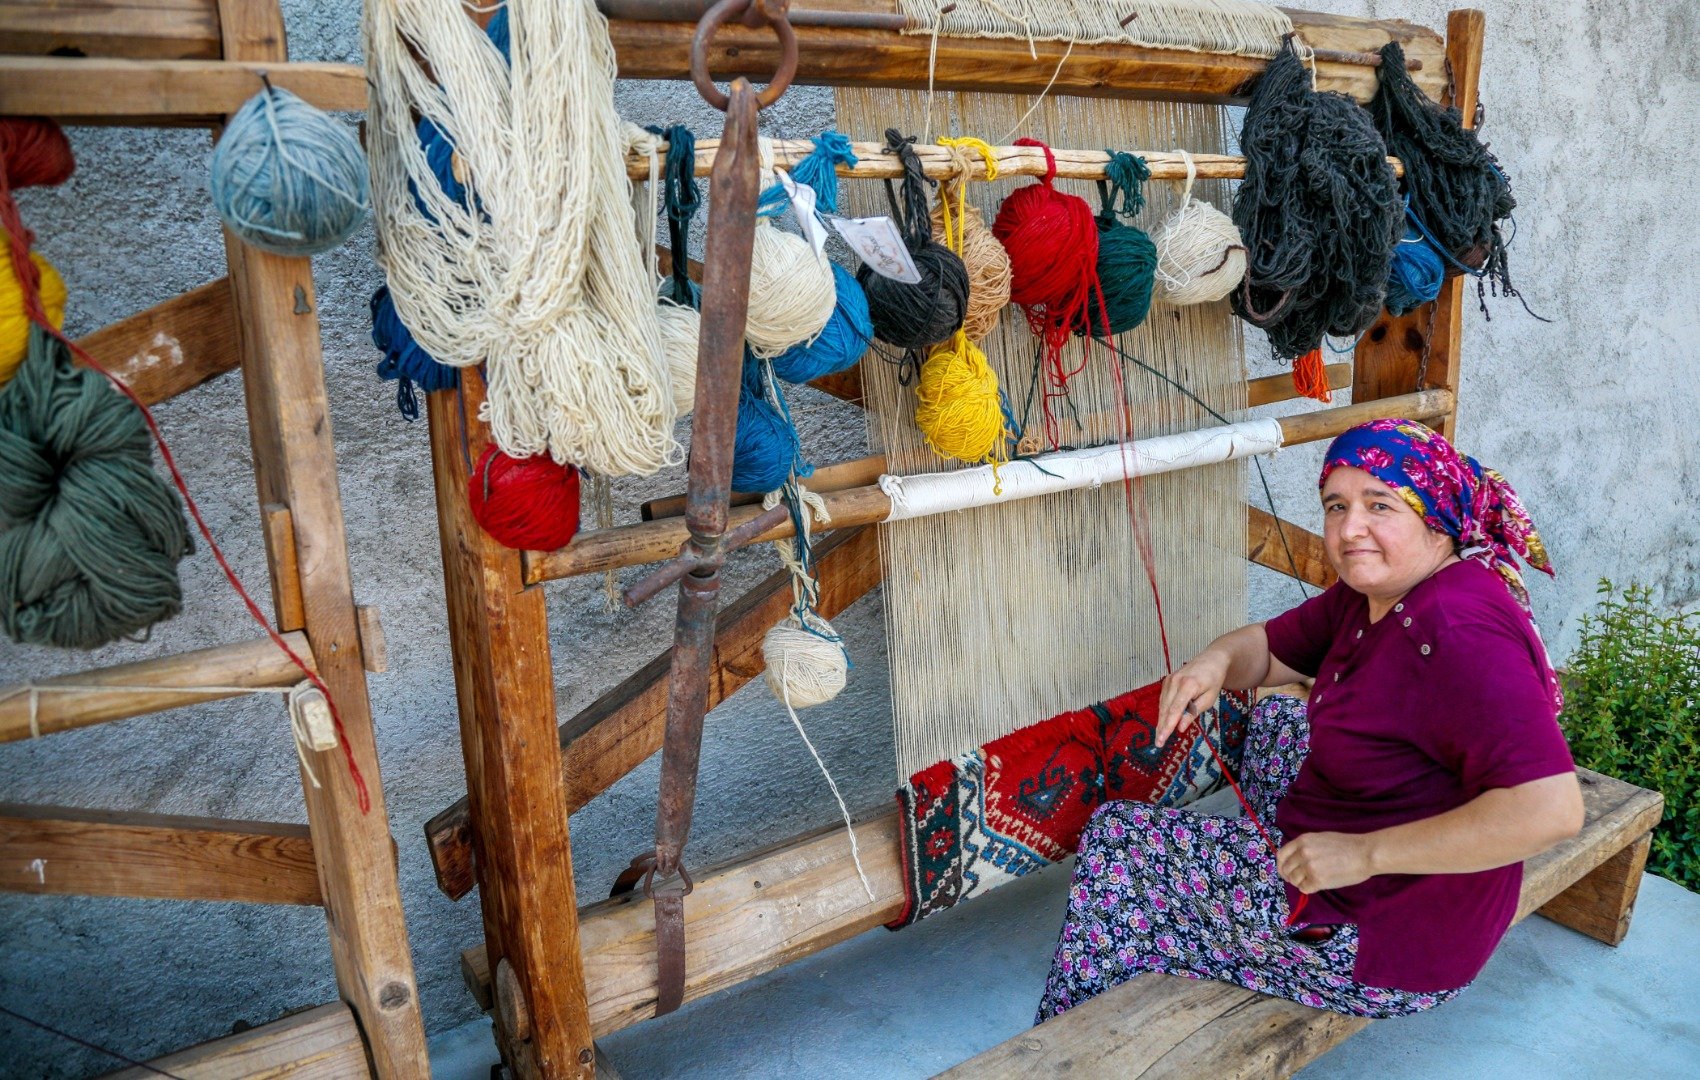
x=680 y=328
x=1200 y=256
x=988 y=269
x=803 y=668
x=792 y=292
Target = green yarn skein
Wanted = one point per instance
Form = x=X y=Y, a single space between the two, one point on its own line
x=90 y=535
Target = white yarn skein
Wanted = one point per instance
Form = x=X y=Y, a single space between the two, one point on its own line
x=538 y=275
x=802 y=667
x=1200 y=256
x=792 y=291
x=680 y=329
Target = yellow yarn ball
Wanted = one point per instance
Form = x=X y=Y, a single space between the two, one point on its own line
x=957 y=406
x=14 y=324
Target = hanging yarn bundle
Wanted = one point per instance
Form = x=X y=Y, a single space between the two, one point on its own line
x=530 y=504
x=92 y=535
x=676 y=308
x=35 y=153
x=765 y=449
x=287 y=178
x=1200 y=256
x=1127 y=259
x=1417 y=272
x=846 y=336
x=792 y=294
x=984 y=258
x=534 y=274
x=404 y=361
x=908 y=315
x=1319 y=211
x=14 y=318
x=1458 y=193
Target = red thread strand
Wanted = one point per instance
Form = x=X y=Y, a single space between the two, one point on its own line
x=42 y=156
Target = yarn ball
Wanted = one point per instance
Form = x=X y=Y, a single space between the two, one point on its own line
x=680 y=329
x=803 y=667
x=1200 y=256
x=765 y=447
x=35 y=151
x=841 y=343
x=530 y=504
x=1127 y=267
x=791 y=292
x=287 y=178
x=1052 y=240
x=403 y=358
x=987 y=264
x=1416 y=275
x=957 y=404
x=915 y=315
x=92 y=535
x=14 y=323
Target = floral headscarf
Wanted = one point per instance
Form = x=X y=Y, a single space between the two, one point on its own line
x=1452 y=491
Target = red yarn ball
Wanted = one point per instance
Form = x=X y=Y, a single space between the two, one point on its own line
x=526 y=503
x=1052 y=240
x=35 y=152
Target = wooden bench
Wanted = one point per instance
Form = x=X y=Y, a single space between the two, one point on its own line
x=1168 y=1026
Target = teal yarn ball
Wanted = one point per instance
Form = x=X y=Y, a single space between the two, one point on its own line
x=90 y=535
x=1127 y=270
x=287 y=178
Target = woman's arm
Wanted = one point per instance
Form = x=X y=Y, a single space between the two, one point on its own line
x=1238 y=660
x=1499 y=827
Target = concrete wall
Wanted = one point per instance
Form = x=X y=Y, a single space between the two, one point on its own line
x=1592 y=110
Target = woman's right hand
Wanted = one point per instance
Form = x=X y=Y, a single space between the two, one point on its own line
x=1191 y=691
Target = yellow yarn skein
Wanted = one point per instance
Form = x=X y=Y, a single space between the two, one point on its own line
x=14 y=323
x=957 y=404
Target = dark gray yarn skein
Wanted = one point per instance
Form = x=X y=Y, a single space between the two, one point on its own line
x=913 y=316
x=1319 y=212
x=90 y=535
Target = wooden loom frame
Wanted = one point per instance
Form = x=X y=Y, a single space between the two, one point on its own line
x=158 y=62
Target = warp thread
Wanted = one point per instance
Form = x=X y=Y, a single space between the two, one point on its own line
x=912 y=316
x=1318 y=211
x=983 y=257
x=1127 y=258
x=287 y=178
x=1200 y=256
x=529 y=504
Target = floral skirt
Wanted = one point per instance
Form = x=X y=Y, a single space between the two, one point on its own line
x=1193 y=894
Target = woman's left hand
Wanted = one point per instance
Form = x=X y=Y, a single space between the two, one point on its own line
x=1325 y=860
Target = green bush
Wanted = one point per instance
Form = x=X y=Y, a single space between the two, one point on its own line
x=1632 y=710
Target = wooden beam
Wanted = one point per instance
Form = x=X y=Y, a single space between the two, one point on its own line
x=315 y=1044
x=1601 y=903
x=116 y=693
x=1618 y=814
x=172 y=347
x=57 y=850
x=283 y=378
x=167 y=92
x=655 y=541
x=1269 y=389
x=284 y=562
x=1280 y=545
x=136 y=29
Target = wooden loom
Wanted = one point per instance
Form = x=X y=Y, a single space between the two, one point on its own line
x=176 y=63
x=556 y=974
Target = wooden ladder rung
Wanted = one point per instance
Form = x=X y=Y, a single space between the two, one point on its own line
x=139 y=29
x=315 y=1044
x=116 y=693
x=173 y=93
x=173 y=346
x=59 y=850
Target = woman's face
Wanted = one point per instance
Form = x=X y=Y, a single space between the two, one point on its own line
x=1377 y=543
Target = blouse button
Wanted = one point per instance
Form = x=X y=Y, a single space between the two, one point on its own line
x=1407 y=620
x=1425 y=650
x=1336 y=676
x=1398 y=607
x=1319 y=697
x=1360 y=633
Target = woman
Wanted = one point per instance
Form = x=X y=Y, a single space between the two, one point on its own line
x=1403 y=801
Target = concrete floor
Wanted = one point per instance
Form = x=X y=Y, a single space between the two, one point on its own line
x=1551 y=1003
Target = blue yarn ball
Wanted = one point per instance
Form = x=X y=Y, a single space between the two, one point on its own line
x=287 y=178
x=1416 y=275
x=841 y=342
x=766 y=447
x=403 y=357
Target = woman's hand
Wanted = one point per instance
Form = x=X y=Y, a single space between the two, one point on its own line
x=1325 y=860
x=1191 y=691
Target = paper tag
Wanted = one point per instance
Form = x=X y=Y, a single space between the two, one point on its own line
x=803 y=205
x=877 y=242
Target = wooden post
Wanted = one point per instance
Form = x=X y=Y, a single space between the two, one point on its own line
x=295 y=467
x=1600 y=904
x=1390 y=358
x=499 y=631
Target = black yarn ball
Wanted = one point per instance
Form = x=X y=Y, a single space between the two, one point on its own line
x=914 y=316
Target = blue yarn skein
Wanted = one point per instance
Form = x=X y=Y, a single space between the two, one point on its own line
x=287 y=178
x=766 y=449
x=842 y=341
x=1416 y=274
x=404 y=361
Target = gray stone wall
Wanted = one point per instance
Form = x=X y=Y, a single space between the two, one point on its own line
x=1592 y=110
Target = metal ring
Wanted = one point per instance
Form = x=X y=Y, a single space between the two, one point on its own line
x=712 y=20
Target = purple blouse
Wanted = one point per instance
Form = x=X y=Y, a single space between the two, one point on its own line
x=1417 y=714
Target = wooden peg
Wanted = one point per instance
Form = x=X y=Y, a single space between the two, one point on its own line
x=373 y=652
x=287 y=600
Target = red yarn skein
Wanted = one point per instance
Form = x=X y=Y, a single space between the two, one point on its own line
x=36 y=152
x=530 y=504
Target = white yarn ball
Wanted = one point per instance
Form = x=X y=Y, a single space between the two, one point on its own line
x=1200 y=256
x=803 y=668
x=792 y=292
x=680 y=328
